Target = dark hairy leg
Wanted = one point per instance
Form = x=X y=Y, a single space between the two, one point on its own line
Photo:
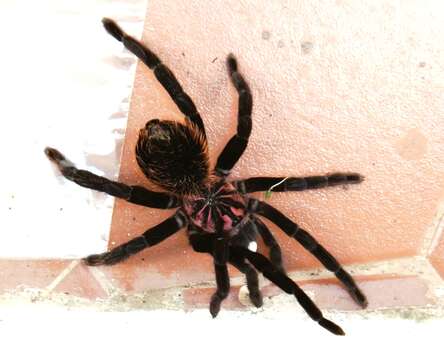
x=252 y=278
x=282 y=184
x=264 y=265
x=271 y=243
x=220 y=255
x=149 y=238
x=205 y=243
x=309 y=243
x=133 y=194
x=238 y=143
x=163 y=74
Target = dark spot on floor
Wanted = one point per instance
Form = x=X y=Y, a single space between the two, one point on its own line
x=306 y=47
x=266 y=35
x=422 y=64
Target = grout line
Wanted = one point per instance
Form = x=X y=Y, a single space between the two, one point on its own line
x=433 y=232
x=410 y=266
x=62 y=275
x=103 y=281
x=407 y=266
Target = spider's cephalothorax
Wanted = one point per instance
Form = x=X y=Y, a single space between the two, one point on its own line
x=221 y=218
x=219 y=209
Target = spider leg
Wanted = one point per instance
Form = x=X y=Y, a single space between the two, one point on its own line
x=133 y=194
x=163 y=74
x=204 y=243
x=252 y=278
x=270 y=241
x=149 y=238
x=282 y=184
x=238 y=143
x=220 y=255
x=264 y=265
x=309 y=243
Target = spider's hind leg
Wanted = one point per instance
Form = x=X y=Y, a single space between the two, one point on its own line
x=238 y=143
x=133 y=194
x=163 y=74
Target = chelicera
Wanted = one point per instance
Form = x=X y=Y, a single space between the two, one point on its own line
x=220 y=216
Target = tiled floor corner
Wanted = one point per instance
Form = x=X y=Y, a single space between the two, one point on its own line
x=379 y=220
x=336 y=88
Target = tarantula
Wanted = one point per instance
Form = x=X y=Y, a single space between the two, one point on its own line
x=220 y=217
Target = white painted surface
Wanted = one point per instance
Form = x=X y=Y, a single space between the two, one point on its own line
x=172 y=335
x=64 y=83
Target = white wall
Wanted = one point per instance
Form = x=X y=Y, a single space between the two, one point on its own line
x=64 y=83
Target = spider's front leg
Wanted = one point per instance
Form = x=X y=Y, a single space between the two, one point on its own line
x=133 y=194
x=149 y=238
x=251 y=276
x=283 y=184
x=205 y=243
x=309 y=243
x=220 y=255
x=271 y=243
x=277 y=277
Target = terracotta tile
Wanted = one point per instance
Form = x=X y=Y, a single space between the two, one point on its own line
x=327 y=97
x=200 y=298
x=384 y=293
x=29 y=273
x=388 y=291
x=164 y=267
x=80 y=282
x=437 y=256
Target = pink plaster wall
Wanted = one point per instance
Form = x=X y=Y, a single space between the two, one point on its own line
x=337 y=86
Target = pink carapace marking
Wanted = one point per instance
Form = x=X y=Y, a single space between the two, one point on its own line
x=236 y=211
x=228 y=223
x=216 y=208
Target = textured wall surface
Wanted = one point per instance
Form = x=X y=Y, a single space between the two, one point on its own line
x=337 y=86
x=342 y=86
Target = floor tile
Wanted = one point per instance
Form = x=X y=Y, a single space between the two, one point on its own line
x=312 y=114
x=80 y=282
x=17 y=274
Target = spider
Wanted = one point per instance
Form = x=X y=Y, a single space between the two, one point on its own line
x=219 y=215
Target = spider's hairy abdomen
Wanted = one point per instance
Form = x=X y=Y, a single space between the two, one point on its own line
x=220 y=209
x=173 y=156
